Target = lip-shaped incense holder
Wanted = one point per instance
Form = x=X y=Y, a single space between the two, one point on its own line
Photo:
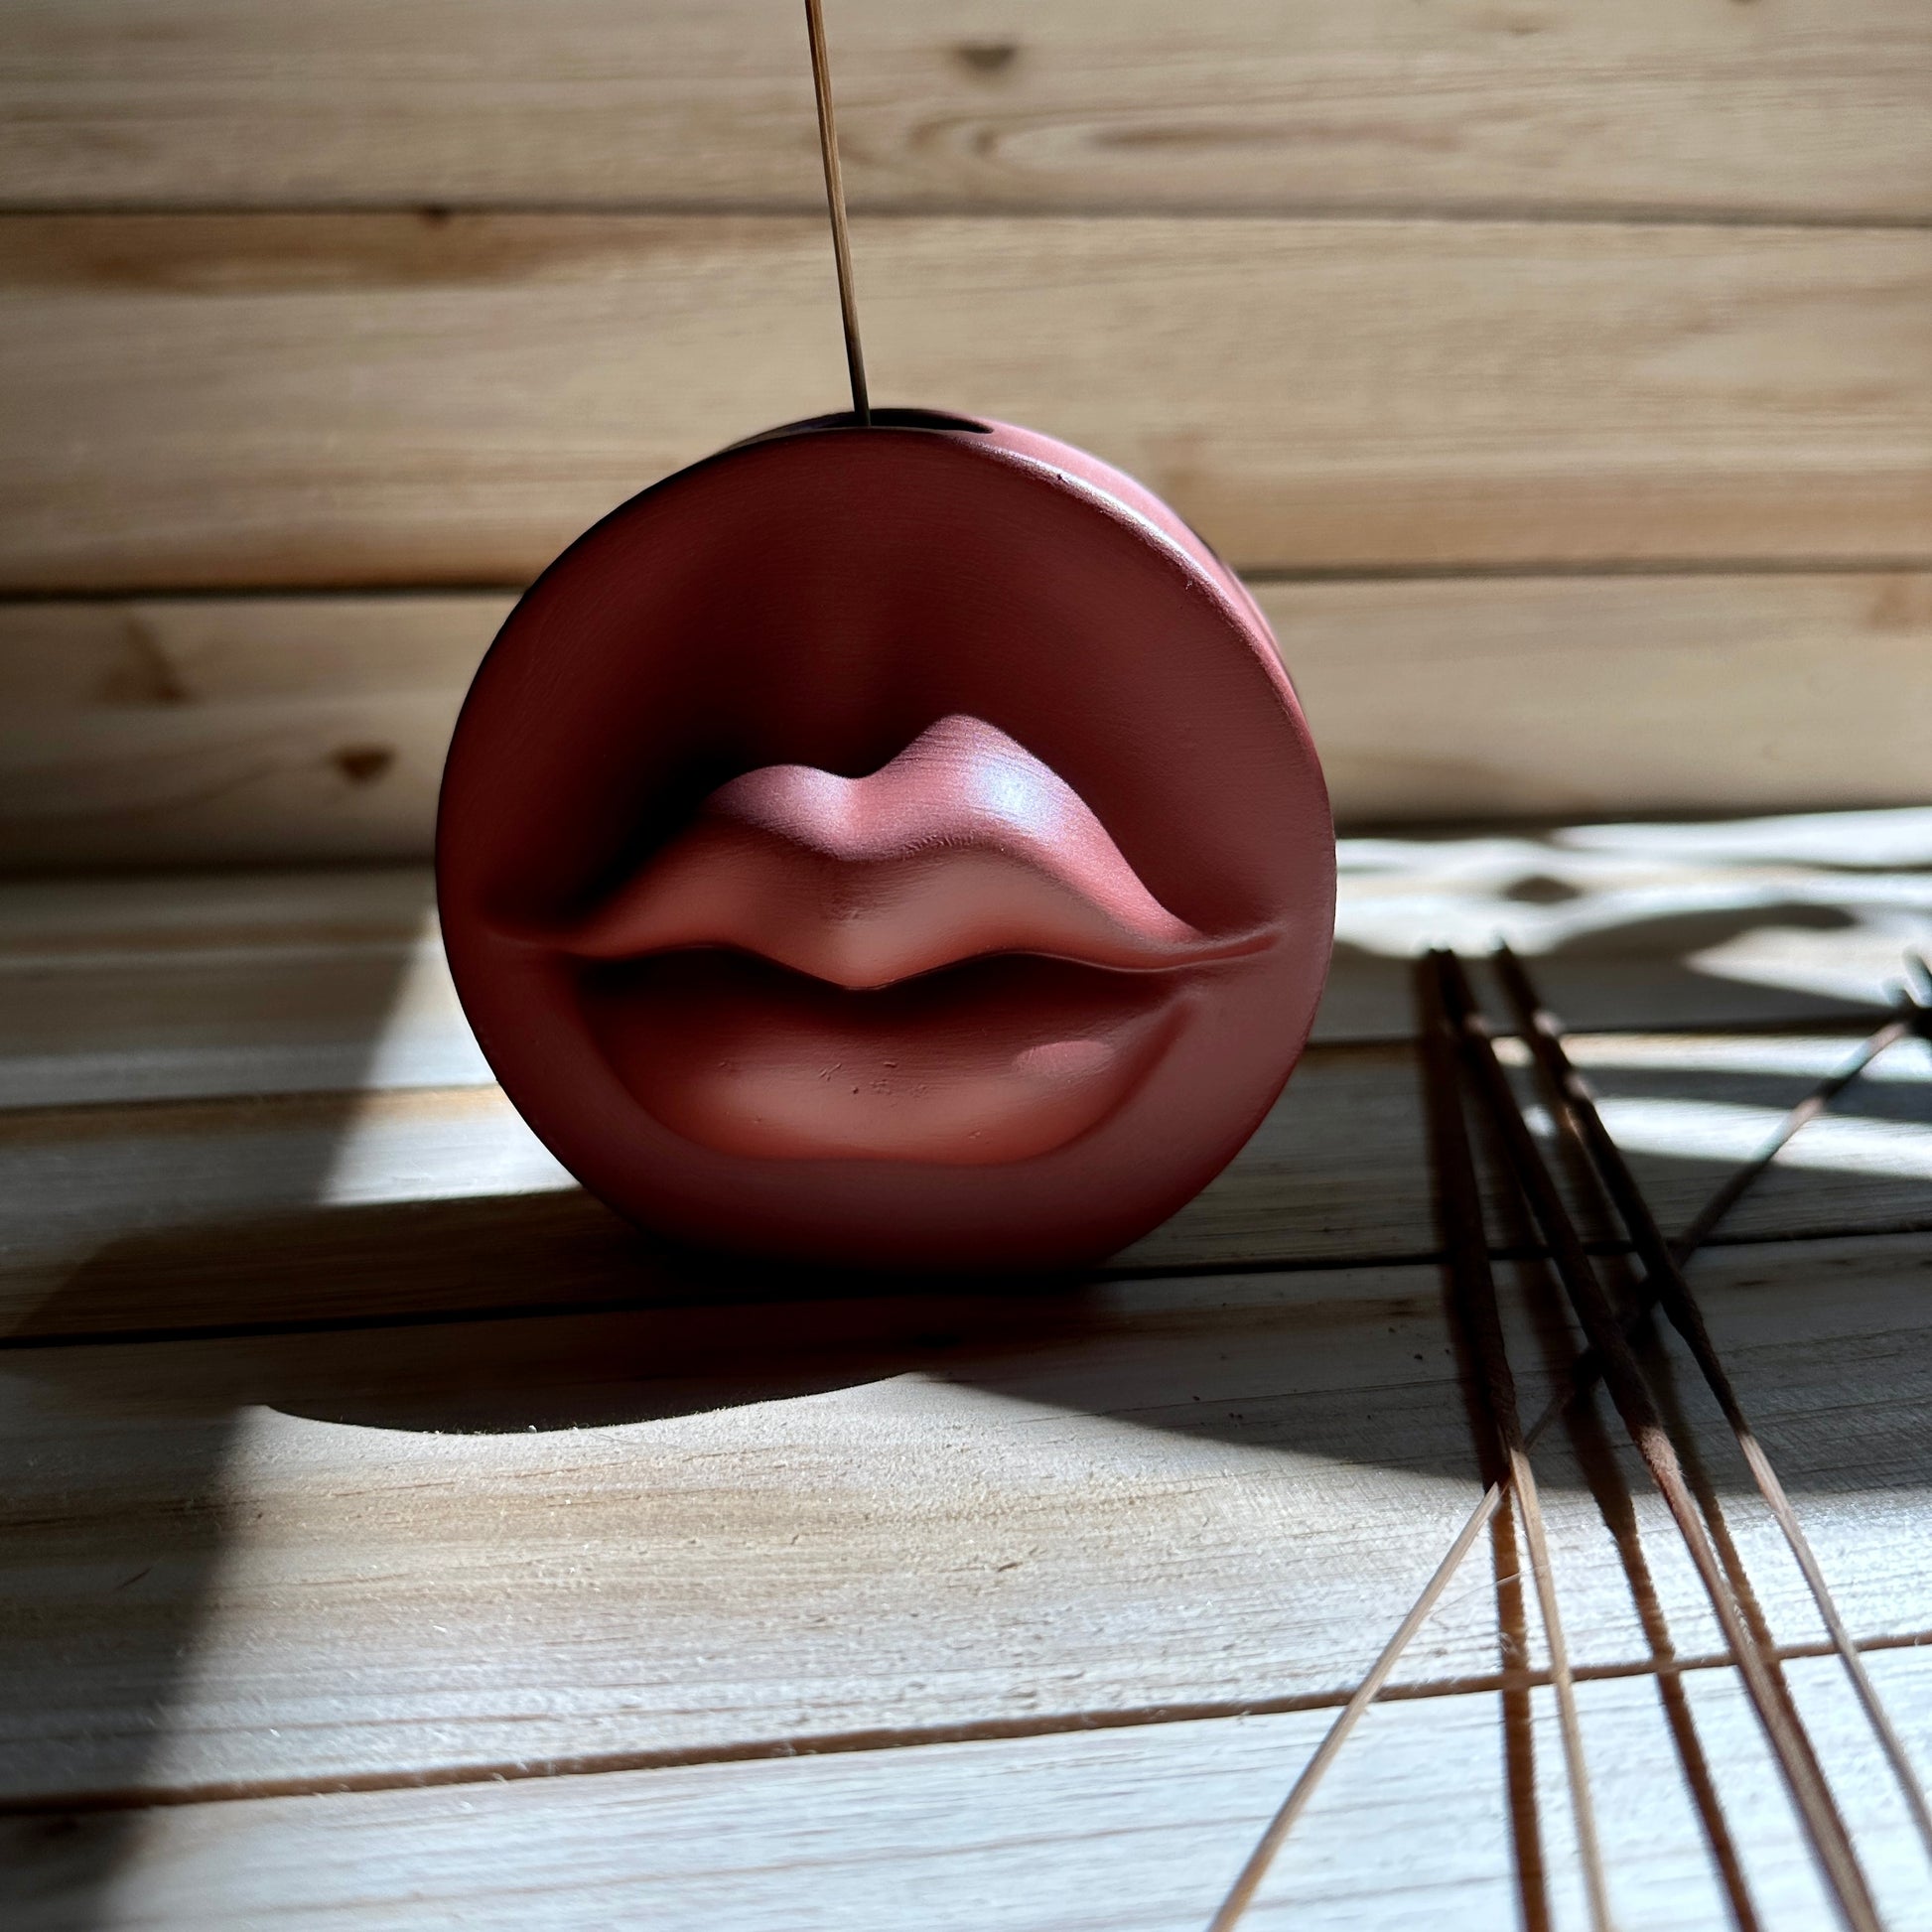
x=896 y=845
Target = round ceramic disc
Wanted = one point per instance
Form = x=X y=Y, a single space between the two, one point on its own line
x=895 y=845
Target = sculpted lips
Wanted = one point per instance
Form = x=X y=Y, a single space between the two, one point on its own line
x=946 y=960
x=964 y=998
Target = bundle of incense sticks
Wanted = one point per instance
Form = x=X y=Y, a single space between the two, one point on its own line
x=1462 y=1070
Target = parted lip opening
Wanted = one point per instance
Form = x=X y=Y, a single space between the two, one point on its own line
x=946 y=960
x=996 y=1060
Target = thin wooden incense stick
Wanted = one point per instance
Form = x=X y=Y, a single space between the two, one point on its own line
x=828 y=147
x=1580 y=1380
x=1574 y=1107
x=1247 y=1881
x=1466 y=1248
x=1791 y=1745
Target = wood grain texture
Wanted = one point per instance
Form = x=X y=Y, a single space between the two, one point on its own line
x=186 y=985
x=224 y=1209
x=356 y=1207
x=196 y=730
x=172 y=985
x=347 y=1536
x=386 y=399
x=315 y=1478
x=710 y=1531
x=253 y=1097
x=1811 y=107
x=218 y=730
x=1572 y=696
x=1133 y=1831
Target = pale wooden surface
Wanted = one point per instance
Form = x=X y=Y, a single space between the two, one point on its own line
x=168 y=987
x=1516 y=367
x=970 y=1836
x=1806 y=107
x=575 y=1541
x=339 y=399
x=309 y=1091
x=350 y=1448
x=184 y=730
x=303 y=1197
x=1477 y=326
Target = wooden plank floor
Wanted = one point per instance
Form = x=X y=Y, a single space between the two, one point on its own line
x=1127 y=1830
x=394 y=1539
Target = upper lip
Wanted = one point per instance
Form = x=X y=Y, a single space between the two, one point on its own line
x=963 y=845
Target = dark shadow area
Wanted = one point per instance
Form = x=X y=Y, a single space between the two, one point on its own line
x=545 y=1311
x=627 y=1329
x=110 y=1528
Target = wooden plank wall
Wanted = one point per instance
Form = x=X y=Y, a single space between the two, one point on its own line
x=1560 y=374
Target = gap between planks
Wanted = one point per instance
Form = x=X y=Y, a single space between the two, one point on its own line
x=910 y=1737
x=1438 y=571
x=192 y=1112
x=1497 y=214
x=1126 y=1272
x=1521 y=434
x=1597 y=1248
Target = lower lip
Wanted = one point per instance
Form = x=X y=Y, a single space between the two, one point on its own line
x=992 y=1061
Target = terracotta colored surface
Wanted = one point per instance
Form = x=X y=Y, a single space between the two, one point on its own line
x=896 y=846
